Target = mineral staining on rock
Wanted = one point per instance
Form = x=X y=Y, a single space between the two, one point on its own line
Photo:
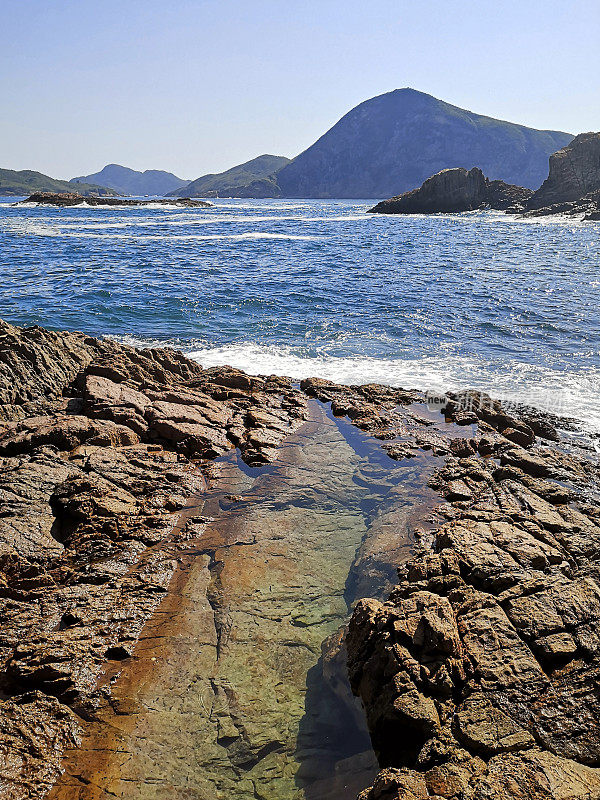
x=174 y=609
x=95 y=448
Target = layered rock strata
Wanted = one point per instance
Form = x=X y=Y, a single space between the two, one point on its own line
x=101 y=448
x=574 y=175
x=478 y=674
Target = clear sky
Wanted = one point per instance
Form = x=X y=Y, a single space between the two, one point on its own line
x=195 y=86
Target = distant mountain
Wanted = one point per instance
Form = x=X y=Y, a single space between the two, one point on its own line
x=130 y=181
x=255 y=178
x=392 y=143
x=16 y=183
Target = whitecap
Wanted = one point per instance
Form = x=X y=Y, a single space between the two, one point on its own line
x=574 y=393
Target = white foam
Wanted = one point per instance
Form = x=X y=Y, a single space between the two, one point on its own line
x=27 y=227
x=575 y=394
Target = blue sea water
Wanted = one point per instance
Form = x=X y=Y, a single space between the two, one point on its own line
x=304 y=288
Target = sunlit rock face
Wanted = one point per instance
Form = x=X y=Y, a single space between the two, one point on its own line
x=574 y=172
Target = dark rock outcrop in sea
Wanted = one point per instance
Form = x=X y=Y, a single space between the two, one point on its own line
x=573 y=182
x=574 y=173
x=479 y=674
x=72 y=199
x=572 y=187
x=455 y=190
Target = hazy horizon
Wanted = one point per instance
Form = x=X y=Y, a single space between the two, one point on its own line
x=203 y=86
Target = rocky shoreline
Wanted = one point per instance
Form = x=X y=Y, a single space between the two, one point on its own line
x=478 y=674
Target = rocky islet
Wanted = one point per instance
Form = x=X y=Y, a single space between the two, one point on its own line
x=67 y=199
x=572 y=187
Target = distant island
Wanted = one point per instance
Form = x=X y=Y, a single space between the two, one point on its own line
x=14 y=183
x=383 y=147
x=255 y=178
x=130 y=181
x=391 y=144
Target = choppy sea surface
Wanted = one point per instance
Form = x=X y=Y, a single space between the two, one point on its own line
x=302 y=288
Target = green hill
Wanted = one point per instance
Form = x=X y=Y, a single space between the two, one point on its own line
x=255 y=178
x=392 y=143
x=17 y=183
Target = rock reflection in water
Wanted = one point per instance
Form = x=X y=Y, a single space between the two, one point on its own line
x=238 y=685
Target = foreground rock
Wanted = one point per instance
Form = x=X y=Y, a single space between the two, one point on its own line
x=101 y=447
x=455 y=190
x=73 y=199
x=573 y=182
x=479 y=673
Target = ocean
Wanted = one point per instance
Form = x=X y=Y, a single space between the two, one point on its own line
x=313 y=287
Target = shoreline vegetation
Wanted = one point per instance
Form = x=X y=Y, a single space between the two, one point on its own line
x=473 y=645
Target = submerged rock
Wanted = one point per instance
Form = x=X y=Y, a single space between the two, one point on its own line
x=455 y=190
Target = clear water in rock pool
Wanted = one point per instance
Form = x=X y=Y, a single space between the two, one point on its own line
x=238 y=685
x=303 y=288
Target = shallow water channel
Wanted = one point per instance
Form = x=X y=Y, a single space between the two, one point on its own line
x=238 y=687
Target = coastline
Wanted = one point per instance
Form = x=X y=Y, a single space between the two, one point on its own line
x=108 y=453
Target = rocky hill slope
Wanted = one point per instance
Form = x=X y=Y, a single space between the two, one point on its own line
x=255 y=178
x=130 y=181
x=455 y=190
x=390 y=144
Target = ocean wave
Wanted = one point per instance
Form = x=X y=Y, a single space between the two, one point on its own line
x=575 y=394
x=29 y=228
x=572 y=394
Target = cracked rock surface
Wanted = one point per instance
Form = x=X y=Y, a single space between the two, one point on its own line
x=101 y=447
x=479 y=673
x=180 y=549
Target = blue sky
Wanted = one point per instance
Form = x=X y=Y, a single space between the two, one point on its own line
x=195 y=86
